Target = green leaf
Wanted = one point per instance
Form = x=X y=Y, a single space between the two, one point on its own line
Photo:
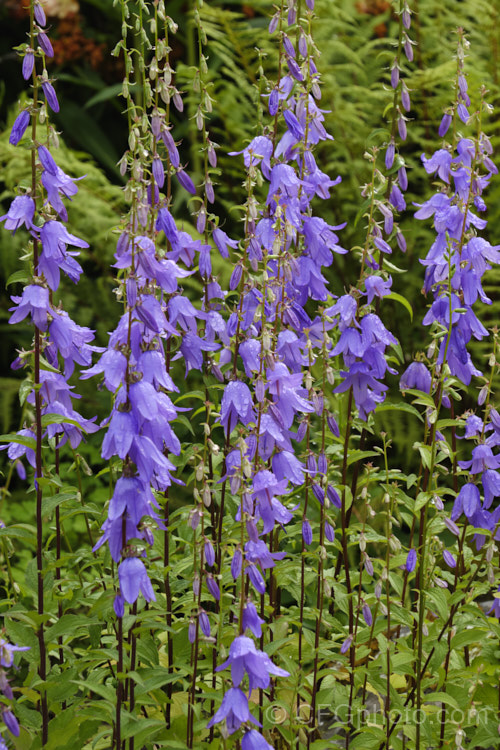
x=18 y=277
x=402 y=301
x=468 y=636
x=109 y=92
x=67 y=625
x=19 y=530
x=358 y=455
x=48 y=419
x=439 y=600
x=49 y=503
x=29 y=442
x=399 y=406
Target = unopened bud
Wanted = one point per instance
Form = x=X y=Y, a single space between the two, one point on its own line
x=207 y=497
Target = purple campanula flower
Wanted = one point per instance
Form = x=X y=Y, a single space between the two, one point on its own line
x=21 y=211
x=273 y=104
x=405 y=98
x=11 y=722
x=394 y=75
x=50 y=96
x=158 y=172
x=258 y=551
x=191 y=631
x=293 y=124
x=244 y=657
x=451 y=526
x=223 y=242
x=39 y=14
x=213 y=587
x=333 y=496
x=204 y=623
x=307 y=535
x=251 y=619
x=467 y=501
x=133 y=579
x=416 y=376
x=482 y=459
x=445 y=124
x=15 y=451
x=55 y=239
x=265 y=487
x=234 y=709
x=120 y=435
x=28 y=64
x=367 y=615
x=376 y=287
x=312 y=466
x=256 y=577
x=171 y=148
x=236 y=564
x=44 y=42
x=346 y=644
x=259 y=150
x=329 y=532
x=34 y=301
x=389 y=155
x=439 y=162
x=113 y=364
x=236 y=406
x=449 y=559
x=19 y=128
x=332 y=425
x=7 y=651
x=253 y=740
x=209 y=553
x=119 y=605
x=495 y=609
x=411 y=560
x=491 y=486
x=186 y=181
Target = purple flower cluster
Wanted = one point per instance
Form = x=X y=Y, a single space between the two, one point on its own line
x=454 y=267
x=277 y=341
x=63 y=342
x=245 y=659
x=134 y=365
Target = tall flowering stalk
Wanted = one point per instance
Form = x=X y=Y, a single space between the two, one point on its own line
x=454 y=266
x=59 y=343
x=275 y=339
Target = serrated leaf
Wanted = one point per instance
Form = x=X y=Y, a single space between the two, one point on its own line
x=51 y=502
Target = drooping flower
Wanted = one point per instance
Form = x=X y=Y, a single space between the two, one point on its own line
x=236 y=406
x=133 y=579
x=234 y=710
x=243 y=658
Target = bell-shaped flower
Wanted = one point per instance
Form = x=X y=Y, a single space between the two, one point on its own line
x=236 y=406
x=244 y=657
x=234 y=709
x=133 y=578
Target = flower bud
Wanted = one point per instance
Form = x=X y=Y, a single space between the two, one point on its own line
x=192 y=631
x=306 y=532
x=209 y=553
x=236 y=563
